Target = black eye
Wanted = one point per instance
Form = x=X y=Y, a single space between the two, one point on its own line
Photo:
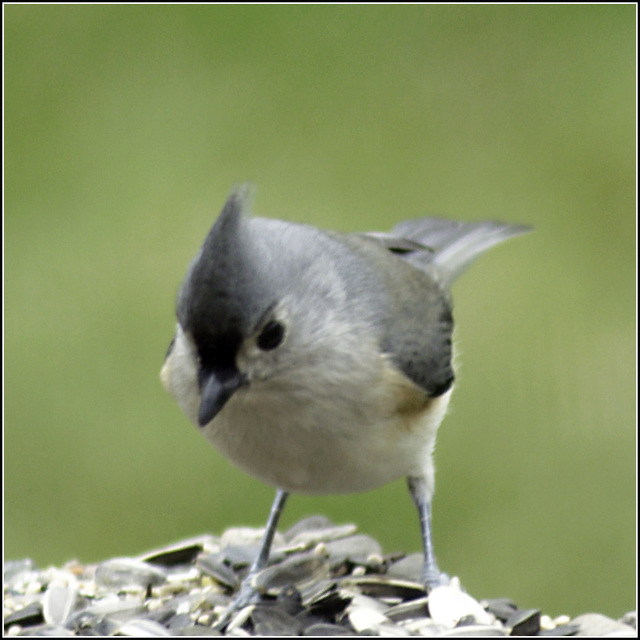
x=271 y=335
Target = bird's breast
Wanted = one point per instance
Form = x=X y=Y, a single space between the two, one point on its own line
x=306 y=444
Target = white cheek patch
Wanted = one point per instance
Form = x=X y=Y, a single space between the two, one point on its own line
x=179 y=375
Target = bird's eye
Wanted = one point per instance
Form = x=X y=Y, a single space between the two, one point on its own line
x=271 y=335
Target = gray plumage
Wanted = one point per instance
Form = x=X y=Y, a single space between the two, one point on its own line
x=321 y=362
x=395 y=282
x=450 y=247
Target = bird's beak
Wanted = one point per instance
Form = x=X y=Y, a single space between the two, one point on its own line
x=217 y=389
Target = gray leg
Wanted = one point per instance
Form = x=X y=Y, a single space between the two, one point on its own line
x=247 y=594
x=267 y=539
x=431 y=576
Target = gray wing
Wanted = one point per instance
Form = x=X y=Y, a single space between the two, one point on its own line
x=409 y=306
x=419 y=329
x=449 y=246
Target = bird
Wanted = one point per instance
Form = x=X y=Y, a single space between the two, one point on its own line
x=322 y=362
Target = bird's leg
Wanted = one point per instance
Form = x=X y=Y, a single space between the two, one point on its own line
x=267 y=539
x=421 y=496
x=247 y=593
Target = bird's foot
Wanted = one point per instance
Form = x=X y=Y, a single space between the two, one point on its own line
x=432 y=578
x=247 y=595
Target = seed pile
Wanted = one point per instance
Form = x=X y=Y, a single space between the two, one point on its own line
x=323 y=580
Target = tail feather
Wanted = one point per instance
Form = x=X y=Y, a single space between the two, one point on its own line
x=452 y=246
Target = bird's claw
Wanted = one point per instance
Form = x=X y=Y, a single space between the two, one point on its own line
x=247 y=596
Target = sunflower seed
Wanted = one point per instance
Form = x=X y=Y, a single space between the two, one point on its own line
x=311 y=531
x=474 y=630
x=273 y=621
x=408 y=568
x=181 y=552
x=29 y=616
x=123 y=572
x=595 y=624
x=356 y=548
x=244 y=536
x=524 y=623
x=13 y=568
x=59 y=601
x=388 y=589
x=630 y=619
x=213 y=564
x=423 y=627
x=365 y=618
x=447 y=606
x=196 y=630
x=143 y=628
x=326 y=629
x=407 y=610
x=501 y=608
x=239 y=619
x=297 y=570
x=560 y=630
x=322 y=579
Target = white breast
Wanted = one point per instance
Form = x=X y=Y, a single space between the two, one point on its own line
x=352 y=436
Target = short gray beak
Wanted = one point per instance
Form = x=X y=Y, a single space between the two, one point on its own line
x=217 y=388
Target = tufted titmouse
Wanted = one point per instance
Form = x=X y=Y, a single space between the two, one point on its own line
x=321 y=362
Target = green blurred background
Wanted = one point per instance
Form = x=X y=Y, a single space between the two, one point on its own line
x=125 y=128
